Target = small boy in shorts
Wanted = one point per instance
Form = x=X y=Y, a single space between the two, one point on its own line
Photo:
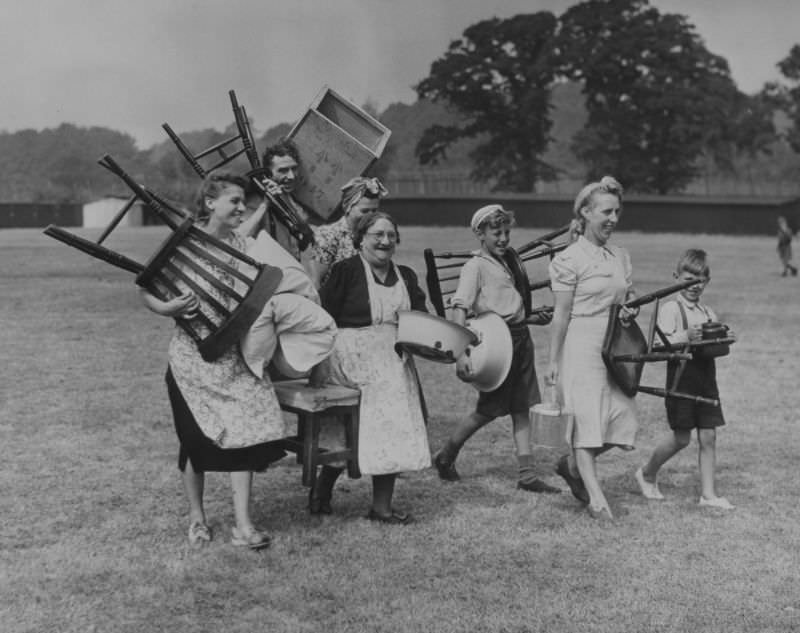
x=681 y=321
x=486 y=284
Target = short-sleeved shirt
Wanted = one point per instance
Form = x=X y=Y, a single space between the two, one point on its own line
x=332 y=243
x=486 y=285
x=670 y=319
x=600 y=276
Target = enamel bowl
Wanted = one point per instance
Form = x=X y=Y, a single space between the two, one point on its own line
x=490 y=356
x=431 y=337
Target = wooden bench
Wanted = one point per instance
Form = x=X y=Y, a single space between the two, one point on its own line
x=315 y=406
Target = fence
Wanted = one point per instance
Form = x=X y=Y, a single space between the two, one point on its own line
x=686 y=214
x=35 y=214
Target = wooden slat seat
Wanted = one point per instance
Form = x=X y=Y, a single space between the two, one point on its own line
x=315 y=406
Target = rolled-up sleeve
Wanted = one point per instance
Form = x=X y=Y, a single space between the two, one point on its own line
x=468 y=286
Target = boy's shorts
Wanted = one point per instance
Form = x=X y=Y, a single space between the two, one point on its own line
x=520 y=390
x=685 y=415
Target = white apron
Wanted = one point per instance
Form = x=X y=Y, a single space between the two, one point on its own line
x=392 y=436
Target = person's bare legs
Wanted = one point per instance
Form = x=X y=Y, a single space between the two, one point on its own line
x=244 y=532
x=664 y=451
x=585 y=461
x=194 y=484
x=242 y=482
x=707 y=457
x=521 y=425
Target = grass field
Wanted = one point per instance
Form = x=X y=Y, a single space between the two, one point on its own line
x=92 y=535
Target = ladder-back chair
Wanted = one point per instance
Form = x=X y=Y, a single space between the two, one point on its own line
x=243 y=143
x=626 y=349
x=443 y=270
x=185 y=261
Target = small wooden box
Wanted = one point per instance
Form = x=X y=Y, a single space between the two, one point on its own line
x=336 y=141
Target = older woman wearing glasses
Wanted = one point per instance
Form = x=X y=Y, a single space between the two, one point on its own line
x=363 y=293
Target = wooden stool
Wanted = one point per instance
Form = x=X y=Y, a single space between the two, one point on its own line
x=314 y=406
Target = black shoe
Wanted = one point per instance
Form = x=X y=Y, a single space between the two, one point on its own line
x=537 y=485
x=447 y=471
x=574 y=482
x=318 y=505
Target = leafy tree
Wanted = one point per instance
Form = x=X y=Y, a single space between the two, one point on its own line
x=498 y=77
x=655 y=95
x=747 y=131
x=788 y=97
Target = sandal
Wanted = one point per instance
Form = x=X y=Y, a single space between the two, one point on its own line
x=395 y=518
x=199 y=534
x=255 y=540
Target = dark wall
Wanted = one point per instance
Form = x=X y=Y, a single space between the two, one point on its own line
x=643 y=213
x=39 y=215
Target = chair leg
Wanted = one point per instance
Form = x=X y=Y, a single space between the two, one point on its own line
x=310 y=448
x=351 y=435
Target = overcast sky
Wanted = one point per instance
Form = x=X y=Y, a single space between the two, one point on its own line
x=132 y=65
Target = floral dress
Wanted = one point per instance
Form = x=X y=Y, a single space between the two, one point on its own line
x=232 y=407
x=332 y=243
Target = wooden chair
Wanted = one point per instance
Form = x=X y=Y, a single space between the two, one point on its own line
x=315 y=406
x=442 y=276
x=243 y=143
x=226 y=311
x=626 y=349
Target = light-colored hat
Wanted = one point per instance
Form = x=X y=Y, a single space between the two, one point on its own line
x=491 y=355
x=484 y=212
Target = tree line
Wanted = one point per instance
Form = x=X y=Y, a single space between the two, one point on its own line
x=630 y=91
x=658 y=101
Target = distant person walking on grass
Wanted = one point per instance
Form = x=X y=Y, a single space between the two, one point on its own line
x=785 y=235
x=487 y=285
x=587 y=278
x=680 y=321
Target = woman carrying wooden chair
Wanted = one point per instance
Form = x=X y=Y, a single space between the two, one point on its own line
x=587 y=278
x=227 y=418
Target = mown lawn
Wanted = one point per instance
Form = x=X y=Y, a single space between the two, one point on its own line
x=92 y=536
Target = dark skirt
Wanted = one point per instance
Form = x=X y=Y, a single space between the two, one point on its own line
x=203 y=453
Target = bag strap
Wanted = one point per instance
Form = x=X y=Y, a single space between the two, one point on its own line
x=684 y=320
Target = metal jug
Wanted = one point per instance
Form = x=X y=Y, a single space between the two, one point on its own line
x=552 y=427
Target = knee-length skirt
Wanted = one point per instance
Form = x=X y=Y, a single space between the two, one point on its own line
x=604 y=415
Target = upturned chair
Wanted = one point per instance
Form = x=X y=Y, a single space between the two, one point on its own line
x=227 y=311
x=626 y=349
x=243 y=143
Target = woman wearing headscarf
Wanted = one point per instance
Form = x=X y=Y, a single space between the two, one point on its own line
x=334 y=242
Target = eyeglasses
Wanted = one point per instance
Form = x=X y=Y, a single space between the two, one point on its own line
x=382 y=235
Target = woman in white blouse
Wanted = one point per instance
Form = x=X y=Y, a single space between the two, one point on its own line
x=587 y=278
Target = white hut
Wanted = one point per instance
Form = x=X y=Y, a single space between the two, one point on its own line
x=100 y=213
